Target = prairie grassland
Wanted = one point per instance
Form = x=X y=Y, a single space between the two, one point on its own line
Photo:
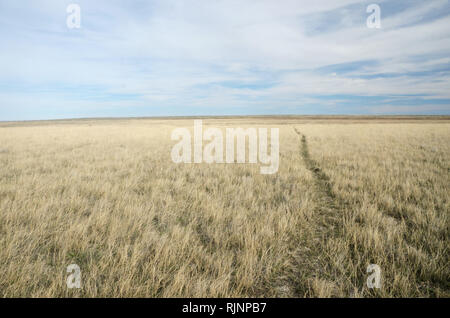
x=391 y=184
x=106 y=196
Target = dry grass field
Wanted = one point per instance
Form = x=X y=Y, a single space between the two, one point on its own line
x=105 y=195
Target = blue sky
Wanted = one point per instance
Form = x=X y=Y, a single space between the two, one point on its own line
x=223 y=57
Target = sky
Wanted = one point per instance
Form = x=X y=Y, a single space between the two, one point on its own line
x=223 y=57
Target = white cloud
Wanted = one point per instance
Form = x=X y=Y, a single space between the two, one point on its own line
x=176 y=52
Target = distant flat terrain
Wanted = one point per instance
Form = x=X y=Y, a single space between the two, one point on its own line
x=281 y=119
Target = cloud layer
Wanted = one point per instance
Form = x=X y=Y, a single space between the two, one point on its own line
x=167 y=57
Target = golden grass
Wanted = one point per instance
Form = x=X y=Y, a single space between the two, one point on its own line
x=106 y=195
x=391 y=185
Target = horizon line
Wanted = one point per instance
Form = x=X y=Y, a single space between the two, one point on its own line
x=323 y=116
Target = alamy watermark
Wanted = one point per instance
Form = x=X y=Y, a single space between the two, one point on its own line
x=374 y=19
x=74 y=279
x=374 y=279
x=213 y=152
x=74 y=18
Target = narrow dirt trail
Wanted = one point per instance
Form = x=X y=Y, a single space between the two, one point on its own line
x=330 y=207
x=322 y=180
x=310 y=261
